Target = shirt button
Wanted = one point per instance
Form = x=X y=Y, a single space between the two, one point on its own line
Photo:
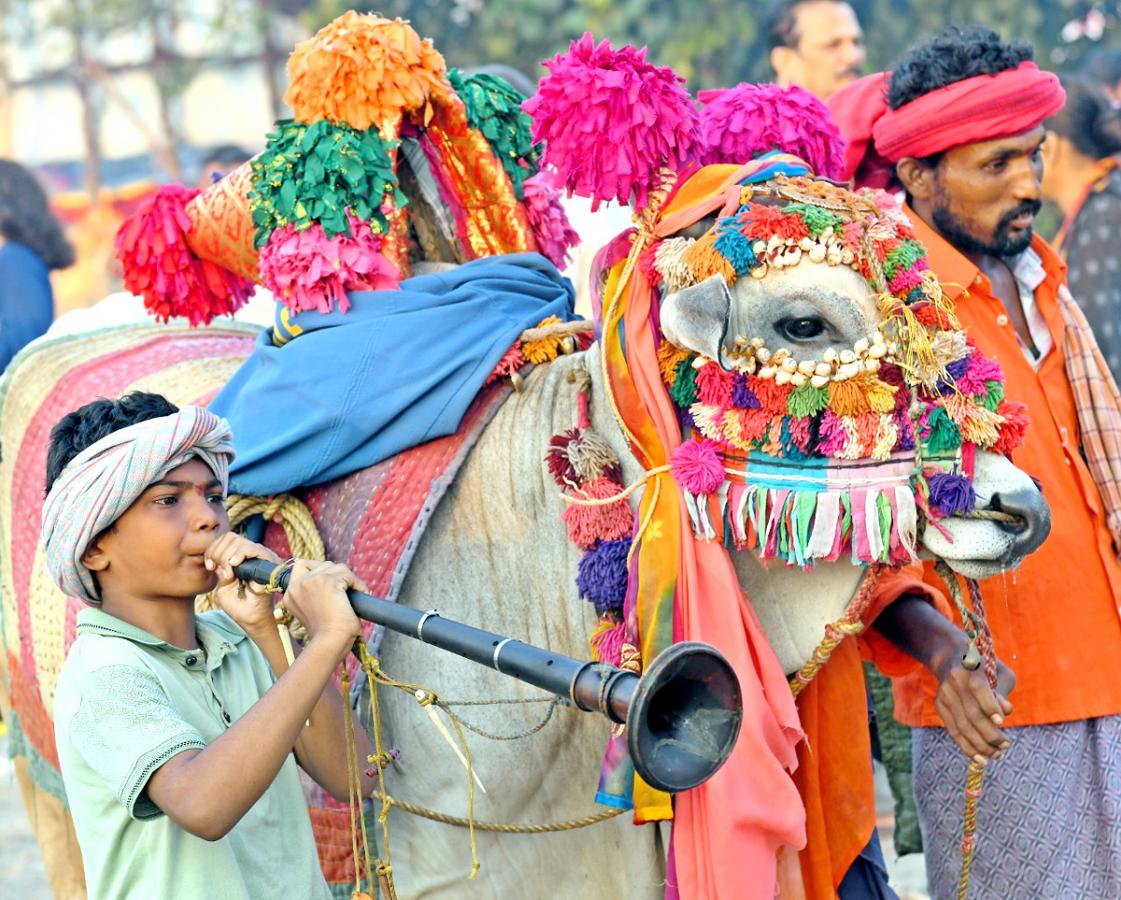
x=1002 y=319
x=226 y=716
x=977 y=280
x=192 y=660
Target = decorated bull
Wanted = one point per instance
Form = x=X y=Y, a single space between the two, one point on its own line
x=780 y=402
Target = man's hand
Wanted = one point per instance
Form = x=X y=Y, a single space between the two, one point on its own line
x=970 y=710
x=316 y=596
x=251 y=608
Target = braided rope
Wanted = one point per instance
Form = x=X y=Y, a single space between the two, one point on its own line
x=500 y=828
x=299 y=526
x=850 y=623
x=980 y=640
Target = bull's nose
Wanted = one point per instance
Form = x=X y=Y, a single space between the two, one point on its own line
x=1033 y=517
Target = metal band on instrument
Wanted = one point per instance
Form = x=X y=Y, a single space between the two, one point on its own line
x=424 y=618
x=498 y=649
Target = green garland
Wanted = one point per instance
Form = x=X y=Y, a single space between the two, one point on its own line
x=494 y=107
x=311 y=174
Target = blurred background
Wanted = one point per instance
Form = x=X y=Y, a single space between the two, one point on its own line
x=103 y=99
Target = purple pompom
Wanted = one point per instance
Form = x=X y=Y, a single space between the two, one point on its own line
x=951 y=495
x=743 y=397
x=740 y=123
x=602 y=579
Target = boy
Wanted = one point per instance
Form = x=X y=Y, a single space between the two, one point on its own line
x=175 y=732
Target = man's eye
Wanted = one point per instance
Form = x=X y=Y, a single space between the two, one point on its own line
x=801 y=329
x=169 y=500
x=215 y=498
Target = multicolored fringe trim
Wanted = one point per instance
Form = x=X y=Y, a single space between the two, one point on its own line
x=599 y=521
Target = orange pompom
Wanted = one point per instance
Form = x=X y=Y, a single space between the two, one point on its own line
x=363 y=71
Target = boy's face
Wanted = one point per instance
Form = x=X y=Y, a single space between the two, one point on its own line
x=155 y=549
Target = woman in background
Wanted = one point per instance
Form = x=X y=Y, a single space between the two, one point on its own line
x=31 y=245
x=1081 y=176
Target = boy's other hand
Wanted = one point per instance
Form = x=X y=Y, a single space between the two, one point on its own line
x=251 y=608
x=317 y=597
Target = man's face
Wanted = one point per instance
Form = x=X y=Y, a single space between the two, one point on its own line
x=830 y=49
x=986 y=195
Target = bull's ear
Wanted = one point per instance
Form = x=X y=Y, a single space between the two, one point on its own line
x=696 y=318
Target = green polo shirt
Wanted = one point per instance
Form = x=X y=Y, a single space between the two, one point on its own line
x=125 y=704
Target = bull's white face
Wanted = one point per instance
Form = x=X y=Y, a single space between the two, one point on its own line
x=810 y=309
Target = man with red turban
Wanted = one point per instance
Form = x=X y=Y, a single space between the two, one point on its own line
x=957 y=125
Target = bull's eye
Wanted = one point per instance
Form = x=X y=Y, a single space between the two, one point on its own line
x=801 y=329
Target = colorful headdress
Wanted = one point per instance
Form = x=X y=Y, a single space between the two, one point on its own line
x=828 y=457
x=378 y=121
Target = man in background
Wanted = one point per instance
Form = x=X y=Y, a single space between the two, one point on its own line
x=815 y=44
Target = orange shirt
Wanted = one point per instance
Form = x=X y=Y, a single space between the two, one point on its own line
x=1056 y=620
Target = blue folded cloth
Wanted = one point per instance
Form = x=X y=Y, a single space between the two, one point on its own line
x=347 y=390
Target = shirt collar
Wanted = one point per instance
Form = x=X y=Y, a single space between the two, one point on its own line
x=217 y=634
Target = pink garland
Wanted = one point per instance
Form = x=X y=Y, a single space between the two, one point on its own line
x=740 y=123
x=610 y=120
x=158 y=264
x=553 y=232
x=306 y=270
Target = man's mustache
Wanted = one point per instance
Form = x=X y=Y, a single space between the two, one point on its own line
x=854 y=71
x=1028 y=206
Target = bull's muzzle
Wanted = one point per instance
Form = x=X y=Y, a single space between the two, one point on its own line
x=1030 y=518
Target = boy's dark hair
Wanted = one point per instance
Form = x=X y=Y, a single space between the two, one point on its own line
x=952 y=55
x=90 y=423
x=1088 y=120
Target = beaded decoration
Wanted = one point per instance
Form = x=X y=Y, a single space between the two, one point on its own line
x=811 y=459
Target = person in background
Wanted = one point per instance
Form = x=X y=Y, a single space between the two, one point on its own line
x=959 y=121
x=31 y=245
x=1080 y=175
x=815 y=44
x=219 y=161
x=1103 y=68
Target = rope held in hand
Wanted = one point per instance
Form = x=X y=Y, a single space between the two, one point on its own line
x=979 y=652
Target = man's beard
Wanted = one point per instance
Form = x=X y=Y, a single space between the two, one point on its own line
x=1003 y=243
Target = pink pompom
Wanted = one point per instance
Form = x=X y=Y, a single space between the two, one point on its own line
x=981 y=369
x=158 y=264
x=696 y=467
x=740 y=123
x=306 y=270
x=553 y=232
x=607 y=643
x=608 y=522
x=610 y=121
x=714 y=385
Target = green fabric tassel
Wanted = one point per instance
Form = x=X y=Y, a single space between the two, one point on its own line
x=943 y=433
x=994 y=396
x=807 y=401
x=684 y=390
x=312 y=174
x=494 y=107
x=883 y=509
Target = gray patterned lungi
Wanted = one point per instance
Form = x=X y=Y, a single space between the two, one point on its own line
x=1049 y=817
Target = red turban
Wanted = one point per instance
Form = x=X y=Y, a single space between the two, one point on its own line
x=981 y=108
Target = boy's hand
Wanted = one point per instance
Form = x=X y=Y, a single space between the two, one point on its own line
x=971 y=711
x=316 y=596
x=251 y=609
